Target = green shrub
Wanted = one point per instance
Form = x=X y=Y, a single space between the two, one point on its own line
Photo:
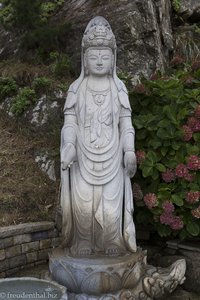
x=63 y=87
x=6 y=15
x=176 y=5
x=167 y=122
x=46 y=39
x=8 y=87
x=27 y=14
x=62 y=66
x=48 y=8
x=42 y=84
x=23 y=100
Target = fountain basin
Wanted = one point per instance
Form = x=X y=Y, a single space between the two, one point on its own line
x=31 y=288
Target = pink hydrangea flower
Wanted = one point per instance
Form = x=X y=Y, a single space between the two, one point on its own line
x=176 y=223
x=197 y=112
x=181 y=171
x=140 y=155
x=187 y=133
x=189 y=177
x=193 y=163
x=166 y=219
x=192 y=197
x=194 y=124
x=168 y=207
x=196 y=212
x=137 y=192
x=168 y=176
x=150 y=200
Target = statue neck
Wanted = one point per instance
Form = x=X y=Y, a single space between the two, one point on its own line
x=98 y=83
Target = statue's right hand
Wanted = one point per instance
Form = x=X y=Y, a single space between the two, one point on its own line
x=68 y=156
x=64 y=165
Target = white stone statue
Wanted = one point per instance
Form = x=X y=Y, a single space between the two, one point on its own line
x=97 y=152
x=99 y=259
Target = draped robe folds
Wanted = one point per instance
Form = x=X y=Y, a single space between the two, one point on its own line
x=96 y=193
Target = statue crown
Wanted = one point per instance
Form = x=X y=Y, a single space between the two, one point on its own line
x=98 y=33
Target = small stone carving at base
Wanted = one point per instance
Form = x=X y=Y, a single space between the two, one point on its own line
x=99 y=259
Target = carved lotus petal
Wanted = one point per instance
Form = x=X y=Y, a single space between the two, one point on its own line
x=100 y=283
x=66 y=278
x=132 y=277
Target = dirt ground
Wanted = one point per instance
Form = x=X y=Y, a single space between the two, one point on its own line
x=26 y=193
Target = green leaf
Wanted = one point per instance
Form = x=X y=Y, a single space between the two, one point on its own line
x=192 y=150
x=194 y=186
x=177 y=200
x=155 y=144
x=160 y=167
x=138 y=123
x=163 y=230
x=164 y=195
x=172 y=152
x=183 y=235
x=164 y=123
x=193 y=228
x=152 y=156
x=175 y=145
x=147 y=171
x=171 y=164
x=164 y=151
x=155 y=174
x=182 y=114
x=162 y=134
x=141 y=134
x=170 y=112
x=167 y=143
x=196 y=137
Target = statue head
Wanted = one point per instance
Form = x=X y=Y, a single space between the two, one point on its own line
x=98 y=52
x=98 y=48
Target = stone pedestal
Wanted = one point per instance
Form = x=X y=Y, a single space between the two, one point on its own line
x=113 y=278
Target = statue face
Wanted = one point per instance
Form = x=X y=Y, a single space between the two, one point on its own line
x=99 y=61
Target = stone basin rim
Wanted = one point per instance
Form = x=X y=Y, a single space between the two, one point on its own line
x=62 y=288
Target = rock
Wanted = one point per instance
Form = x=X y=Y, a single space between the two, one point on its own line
x=9 y=43
x=46 y=165
x=46 y=111
x=192 y=282
x=187 y=42
x=190 y=250
x=142 y=29
x=190 y=10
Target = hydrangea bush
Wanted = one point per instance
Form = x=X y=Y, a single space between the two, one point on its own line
x=166 y=116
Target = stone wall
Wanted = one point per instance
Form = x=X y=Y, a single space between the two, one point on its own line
x=26 y=245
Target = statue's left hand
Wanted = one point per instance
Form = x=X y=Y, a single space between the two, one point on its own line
x=130 y=163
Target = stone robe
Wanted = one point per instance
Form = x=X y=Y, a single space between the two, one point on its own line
x=96 y=194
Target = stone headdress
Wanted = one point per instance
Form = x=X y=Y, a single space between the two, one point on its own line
x=98 y=33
